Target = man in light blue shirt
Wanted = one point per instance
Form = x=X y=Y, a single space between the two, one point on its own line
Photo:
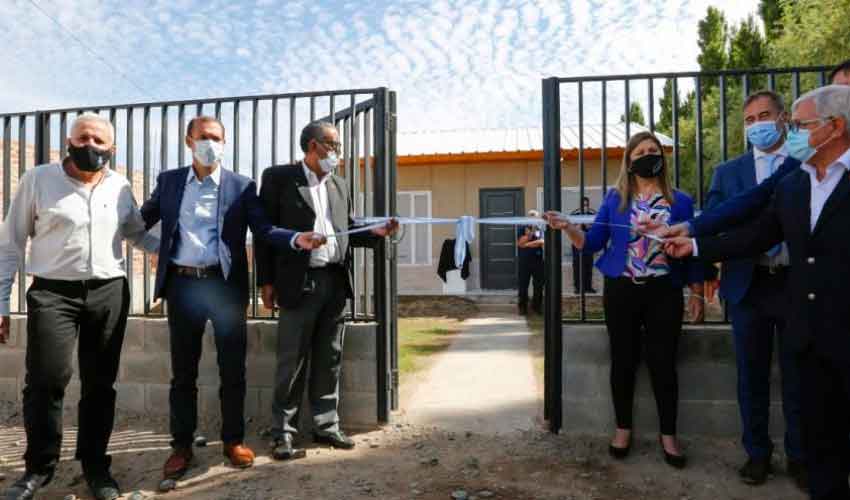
x=197 y=242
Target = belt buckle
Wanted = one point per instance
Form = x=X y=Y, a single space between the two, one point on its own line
x=772 y=269
x=638 y=281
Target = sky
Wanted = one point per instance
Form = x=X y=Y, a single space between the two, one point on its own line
x=454 y=63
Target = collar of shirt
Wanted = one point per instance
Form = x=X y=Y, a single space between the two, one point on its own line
x=312 y=178
x=107 y=173
x=215 y=175
x=843 y=161
x=782 y=152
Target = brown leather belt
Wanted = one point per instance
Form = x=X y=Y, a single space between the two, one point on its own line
x=197 y=272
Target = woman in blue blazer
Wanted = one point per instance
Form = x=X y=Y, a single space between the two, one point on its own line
x=643 y=299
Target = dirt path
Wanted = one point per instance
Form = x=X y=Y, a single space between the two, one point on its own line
x=484 y=382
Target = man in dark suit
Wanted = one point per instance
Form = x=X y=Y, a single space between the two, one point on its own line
x=811 y=212
x=583 y=264
x=310 y=287
x=205 y=211
x=530 y=266
x=754 y=290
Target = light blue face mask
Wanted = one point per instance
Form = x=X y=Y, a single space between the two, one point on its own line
x=764 y=135
x=798 y=144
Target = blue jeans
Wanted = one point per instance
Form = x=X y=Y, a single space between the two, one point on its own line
x=756 y=321
x=191 y=302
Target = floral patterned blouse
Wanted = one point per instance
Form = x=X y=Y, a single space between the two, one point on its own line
x=646 y=256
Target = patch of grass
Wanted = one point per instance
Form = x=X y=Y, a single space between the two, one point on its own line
x=421 y=338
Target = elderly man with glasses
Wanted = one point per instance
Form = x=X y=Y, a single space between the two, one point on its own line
x=311 y=287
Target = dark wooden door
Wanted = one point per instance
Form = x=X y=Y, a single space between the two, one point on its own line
x=498 y=243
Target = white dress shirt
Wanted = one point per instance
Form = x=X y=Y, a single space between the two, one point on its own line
x=821 y=190
x=75 y=231
x=328 y=253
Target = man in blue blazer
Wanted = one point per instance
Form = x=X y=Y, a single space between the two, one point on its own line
x=202 y=274
x=754 y=290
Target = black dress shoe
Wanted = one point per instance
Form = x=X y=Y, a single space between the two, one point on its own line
x=25 y=487
x=336 y=439
x=101 y=483
x=755 y=471
x=799 y=472
x=282 y=449
x=619 y=453
x=675 y=461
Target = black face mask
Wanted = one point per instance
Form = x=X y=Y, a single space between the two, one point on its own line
x=88 y=158
x=647 y=166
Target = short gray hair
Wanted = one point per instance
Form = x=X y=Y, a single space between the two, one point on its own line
x=93 y=118
x=831 y=100
x=314 y=130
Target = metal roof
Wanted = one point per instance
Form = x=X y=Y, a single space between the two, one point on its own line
x=505 y=140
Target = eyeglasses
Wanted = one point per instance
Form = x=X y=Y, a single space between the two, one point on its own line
x=336 y=147
x=795 y=125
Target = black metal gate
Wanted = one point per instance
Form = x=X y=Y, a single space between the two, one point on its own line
x=692 y=110
x=262 y=131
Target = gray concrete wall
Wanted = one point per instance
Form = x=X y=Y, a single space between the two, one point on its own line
x=708 y=402
x=145 y=371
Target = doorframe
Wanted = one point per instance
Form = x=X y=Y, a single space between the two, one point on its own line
x=481 y=246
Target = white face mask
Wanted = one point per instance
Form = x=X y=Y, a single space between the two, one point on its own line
x=208 y=152
x=329 y=164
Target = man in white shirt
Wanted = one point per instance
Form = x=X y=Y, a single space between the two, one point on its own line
x=75 y=216
x=810 y=210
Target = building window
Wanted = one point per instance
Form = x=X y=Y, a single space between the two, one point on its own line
x=415 y=248
x=570 y=201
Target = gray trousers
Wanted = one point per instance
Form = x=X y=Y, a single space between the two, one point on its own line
x=312 y=332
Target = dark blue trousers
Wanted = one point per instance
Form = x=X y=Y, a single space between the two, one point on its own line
x=191 y=302
x=757 y=321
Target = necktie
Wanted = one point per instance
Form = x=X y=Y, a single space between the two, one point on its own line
x=771 y=169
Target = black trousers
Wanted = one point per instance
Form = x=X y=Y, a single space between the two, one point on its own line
x=191 y=302
x=825 y=384
x=530 y=270
x=91 y=315
x=642 y=316
x=582 y=270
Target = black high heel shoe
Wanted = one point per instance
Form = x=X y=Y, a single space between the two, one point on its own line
x=620 y=453
x=675 y=461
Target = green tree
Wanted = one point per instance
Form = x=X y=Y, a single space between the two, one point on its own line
x=712 y=40
x=747 y=48
x=770 y=12
x=635 y=114
x=813 y=32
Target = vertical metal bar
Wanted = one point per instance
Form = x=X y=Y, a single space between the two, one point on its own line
x=331 y=111
x=552 y=201
x=63 y=134
x=651 y=110
x=312 y=108
x=163 y=144
x=698 y=93
x=218 y=110
x=128 y=247
x=113 y=119
x=628 y=110
x=236 y=135
x=771 y=81
x=291 y=130
x=724 y=149
x=181 y=127
x=40 y=123
x=821 y=79
x=22 y=166
x=368 y=191
x=255 y=165
x=146 y=188
x=795 y=85
x=382 y=305
x=604 y=157
x=677 y=161
x=393 y=262
x=7 y=164
x=199 y=109
x=745 y=84
x=274 y=130
x=352 y=170
x=581 y=259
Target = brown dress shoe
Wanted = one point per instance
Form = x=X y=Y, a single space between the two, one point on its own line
x=177 y=464
x=240 y=455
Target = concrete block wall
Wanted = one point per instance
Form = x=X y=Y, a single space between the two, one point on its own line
x=708 y=403
x=145 y=371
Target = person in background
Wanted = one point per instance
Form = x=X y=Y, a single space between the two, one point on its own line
x=583 y=264
x=840 y=75
x=530 y=266
x=642 y=295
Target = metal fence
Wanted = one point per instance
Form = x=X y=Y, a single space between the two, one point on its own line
x=699 y=112
x=262 y=130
